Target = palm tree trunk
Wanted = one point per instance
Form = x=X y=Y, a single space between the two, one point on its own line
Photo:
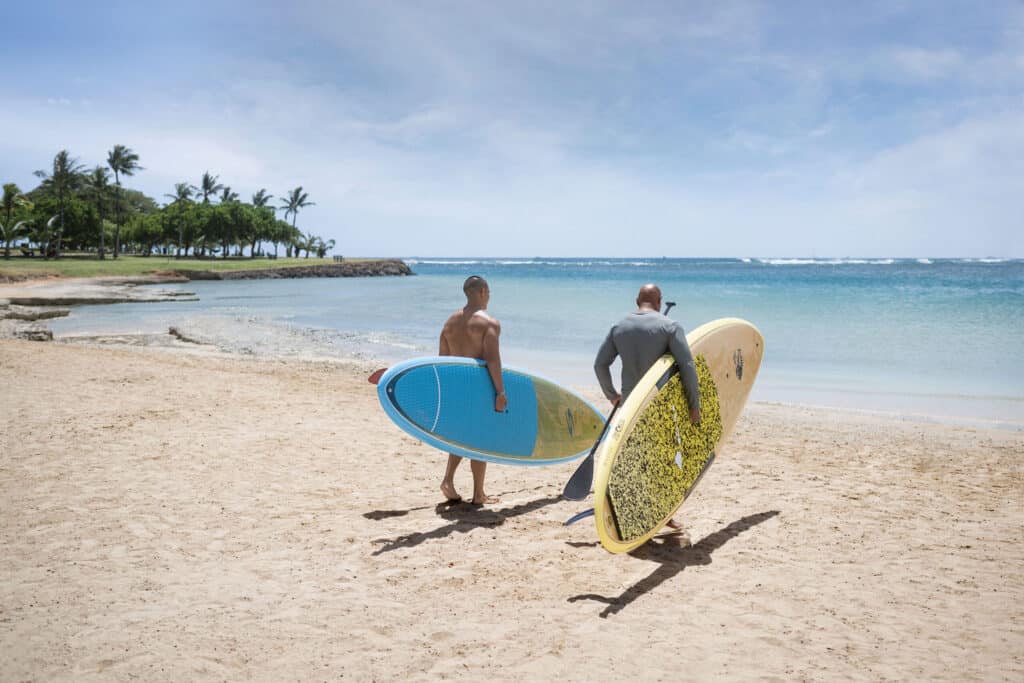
x=60 y=231
x=7 y=237
x=117 y=214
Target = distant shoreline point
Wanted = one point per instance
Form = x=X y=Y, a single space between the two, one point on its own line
x=377 y=268
x=169 y=271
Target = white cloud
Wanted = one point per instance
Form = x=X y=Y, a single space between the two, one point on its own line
x=493 y=130
x=926 y=64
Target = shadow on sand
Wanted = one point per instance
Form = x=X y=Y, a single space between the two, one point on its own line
x=673 y=559
x=465 y=516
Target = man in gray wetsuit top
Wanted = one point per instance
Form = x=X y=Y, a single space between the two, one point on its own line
x=640 y=339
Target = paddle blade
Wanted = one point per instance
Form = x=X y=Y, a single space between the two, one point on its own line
x=578 y=486
x=376 y=375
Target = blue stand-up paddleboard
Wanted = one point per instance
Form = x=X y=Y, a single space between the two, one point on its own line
x=448 y=402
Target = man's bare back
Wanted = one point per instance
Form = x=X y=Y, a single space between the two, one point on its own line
x=465 y=331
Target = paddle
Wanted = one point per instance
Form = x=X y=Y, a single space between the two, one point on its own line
x=578 y=486
x=374 y=377
x=576 y=518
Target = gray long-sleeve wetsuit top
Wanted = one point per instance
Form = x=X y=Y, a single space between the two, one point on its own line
x=640 y=339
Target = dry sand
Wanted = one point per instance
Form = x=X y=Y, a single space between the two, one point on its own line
x=170 y=517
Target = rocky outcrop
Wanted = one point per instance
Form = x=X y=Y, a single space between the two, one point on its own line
x=385 y=267
x=19 y=322
x=33 y=333
x=178 y=334
x=7 y=278
x=31 y=313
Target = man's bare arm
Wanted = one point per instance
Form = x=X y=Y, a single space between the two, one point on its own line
x=442 y=347
x=492 y=356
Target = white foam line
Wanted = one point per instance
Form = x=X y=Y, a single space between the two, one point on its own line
x=437 y=413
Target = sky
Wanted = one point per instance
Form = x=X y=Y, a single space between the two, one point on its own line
x=520 y=128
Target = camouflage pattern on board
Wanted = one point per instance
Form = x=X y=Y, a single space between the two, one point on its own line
x=663 y=456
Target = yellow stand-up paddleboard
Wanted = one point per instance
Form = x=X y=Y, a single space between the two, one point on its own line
x=653 y=457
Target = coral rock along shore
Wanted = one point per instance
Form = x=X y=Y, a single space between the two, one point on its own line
x=347 y=269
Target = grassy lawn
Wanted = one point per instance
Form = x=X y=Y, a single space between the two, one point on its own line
x=89 y=266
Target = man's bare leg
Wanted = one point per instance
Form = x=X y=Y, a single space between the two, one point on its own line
x=479 y=468
x=448 y=483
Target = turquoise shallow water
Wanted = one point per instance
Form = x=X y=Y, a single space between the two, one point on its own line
x=936 y=338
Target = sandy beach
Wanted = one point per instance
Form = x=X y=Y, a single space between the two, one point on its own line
x=175 y=516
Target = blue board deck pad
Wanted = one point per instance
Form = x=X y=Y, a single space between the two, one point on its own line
x=448 y=402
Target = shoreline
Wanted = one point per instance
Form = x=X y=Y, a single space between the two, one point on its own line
x=189 y=516
x=177 y=340
x=26 y=306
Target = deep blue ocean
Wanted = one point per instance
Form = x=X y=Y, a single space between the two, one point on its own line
x=932 y=338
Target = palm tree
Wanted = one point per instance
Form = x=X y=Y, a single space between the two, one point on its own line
x=62 y=180
x=97 y=184
x=297 y=199
x=261 y=198
x=208 y=186
x=13 y=199
x=226 y=195
x=182 y=193
x=10 y=233
x=122 y=161
x=324 y=247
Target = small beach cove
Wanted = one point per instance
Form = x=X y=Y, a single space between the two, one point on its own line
x=32 y=294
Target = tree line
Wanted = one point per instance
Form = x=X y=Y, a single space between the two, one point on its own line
x=79 y=209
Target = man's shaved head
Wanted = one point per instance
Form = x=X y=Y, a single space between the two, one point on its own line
x=650 y=295
x=473 y=283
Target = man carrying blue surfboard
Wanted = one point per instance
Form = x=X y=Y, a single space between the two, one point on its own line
x=472 y=333
x=640 y=339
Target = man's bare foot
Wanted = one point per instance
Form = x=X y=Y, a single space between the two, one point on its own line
x=448 y=491
x=673 y=524
x=679 y=538
x=486 y=500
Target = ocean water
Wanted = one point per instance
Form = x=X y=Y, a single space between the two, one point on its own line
x=928 y=338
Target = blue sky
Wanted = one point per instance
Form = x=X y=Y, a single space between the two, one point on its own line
x=552 y=129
